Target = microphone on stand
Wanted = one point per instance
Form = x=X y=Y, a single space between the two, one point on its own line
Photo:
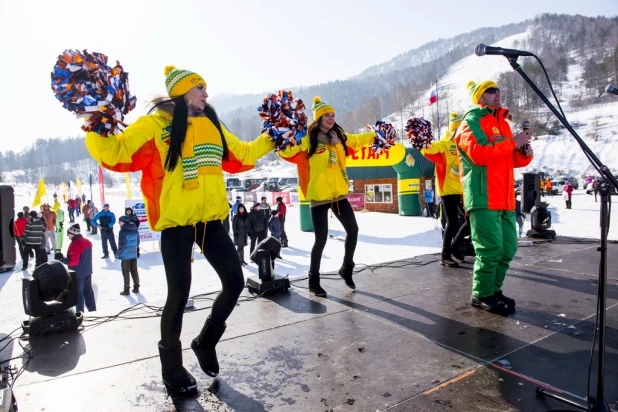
x=526 y=126
x=612 y=89
x=482 y=49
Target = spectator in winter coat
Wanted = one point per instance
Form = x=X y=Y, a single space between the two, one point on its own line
x=56 y=206
x=274 y=225
x=128 y=212
x=87 y=218
x=50 y=228
x=240 y=227
x=128 y=243
x=79 y=259
x=43 y=245
x=71 y=208
x=568 y=189
x=19 y=229
x=78 y=205
x=488 y=152
x=83 y=199
x=429 y=202
x=519 y=215
x=106 y=219
x=549 y=187
x=258 y=226
x=235 y=206
x=92 y=212
x=265 y=207
x=33 y=237
x=282 y=212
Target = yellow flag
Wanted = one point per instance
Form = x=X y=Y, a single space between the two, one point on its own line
x=79 y=185
x=127 y=178
x=39 y=193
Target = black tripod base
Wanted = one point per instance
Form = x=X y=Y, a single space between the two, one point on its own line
x=543 y=392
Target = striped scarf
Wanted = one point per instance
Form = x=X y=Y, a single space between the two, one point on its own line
x=202 y=151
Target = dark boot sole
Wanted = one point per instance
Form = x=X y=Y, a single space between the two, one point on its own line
x=489 y=310
x=188 y=392
x=199 y=360
x=318 y=294
x=454 y=265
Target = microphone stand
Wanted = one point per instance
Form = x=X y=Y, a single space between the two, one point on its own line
x=606 y=189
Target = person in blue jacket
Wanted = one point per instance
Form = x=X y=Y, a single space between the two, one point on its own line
x=105 y=220
x=128 y=242
x=235 y=206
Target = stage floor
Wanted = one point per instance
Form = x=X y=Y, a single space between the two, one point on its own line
x=405 y=340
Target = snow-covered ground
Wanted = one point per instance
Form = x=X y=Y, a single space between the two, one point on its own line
x=383 y=237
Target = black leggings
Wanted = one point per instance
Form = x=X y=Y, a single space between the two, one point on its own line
x=319 y=216
x=451 y=208
x=176 y=248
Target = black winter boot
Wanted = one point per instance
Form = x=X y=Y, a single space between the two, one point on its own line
x=456 y=252
x=314 y=286
x=125 y=291
x=204 y=347
x=346 y=274
x=175 y=377
x=448 y=262
x=490 y=304
x=135 y=289
x=510 y=302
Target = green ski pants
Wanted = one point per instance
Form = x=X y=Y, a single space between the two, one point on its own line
x=495 y=243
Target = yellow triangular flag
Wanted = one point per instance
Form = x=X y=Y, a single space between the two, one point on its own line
x=39 y=193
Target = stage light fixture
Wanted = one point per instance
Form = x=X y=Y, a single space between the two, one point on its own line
x=264 y=256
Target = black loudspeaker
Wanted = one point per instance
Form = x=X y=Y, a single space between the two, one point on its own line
x=8 y=257
x=530 y=192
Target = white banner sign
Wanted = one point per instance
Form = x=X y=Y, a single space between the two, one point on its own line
x=139 y=209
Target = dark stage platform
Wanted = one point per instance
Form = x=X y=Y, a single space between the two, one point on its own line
x=405 y=340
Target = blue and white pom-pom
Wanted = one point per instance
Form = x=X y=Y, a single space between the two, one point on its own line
x=88 y=87
x=284 y=119
x=420 y=132
x=386 y=135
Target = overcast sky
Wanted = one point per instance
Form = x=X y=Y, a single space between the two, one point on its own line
x=238 y=46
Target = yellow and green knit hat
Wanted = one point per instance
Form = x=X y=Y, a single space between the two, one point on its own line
x=454 y=119
x=178 y=82
x=320 y=108
x=476 y=90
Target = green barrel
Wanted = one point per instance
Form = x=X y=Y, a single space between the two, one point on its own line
x=306 y=225
x=408 y=186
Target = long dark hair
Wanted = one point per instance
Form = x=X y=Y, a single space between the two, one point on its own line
x=180 y=116
x=314 y=129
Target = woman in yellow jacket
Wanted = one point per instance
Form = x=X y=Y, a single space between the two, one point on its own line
x=182 y=149
x=444 y=154
x=321 y=160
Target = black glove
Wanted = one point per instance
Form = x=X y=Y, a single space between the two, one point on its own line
x=61 y=225
x=58 y=256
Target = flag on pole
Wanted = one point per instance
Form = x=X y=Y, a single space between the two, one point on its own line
x=432 y=95
x=78 y=183
x=101 y=185
x=127 y=179
x=39 y=193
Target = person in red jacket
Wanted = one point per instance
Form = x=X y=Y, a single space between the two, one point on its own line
x=79 y=259
x=488 y=152
x=19 y=228
x=281 y=210
x=568 y=189
x=71 y=208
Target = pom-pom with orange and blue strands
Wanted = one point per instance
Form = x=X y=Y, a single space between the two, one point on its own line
x=284 y=119
x=88 y=87
x=385 y=136
x=420 y=132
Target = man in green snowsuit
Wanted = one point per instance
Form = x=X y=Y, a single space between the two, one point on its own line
x=488 y=152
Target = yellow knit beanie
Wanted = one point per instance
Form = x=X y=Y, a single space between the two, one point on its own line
x=178 y=82
x=454 y=120
x=319 y=108
x=476 y=90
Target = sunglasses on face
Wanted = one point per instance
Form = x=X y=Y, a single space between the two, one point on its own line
x=492 y=90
